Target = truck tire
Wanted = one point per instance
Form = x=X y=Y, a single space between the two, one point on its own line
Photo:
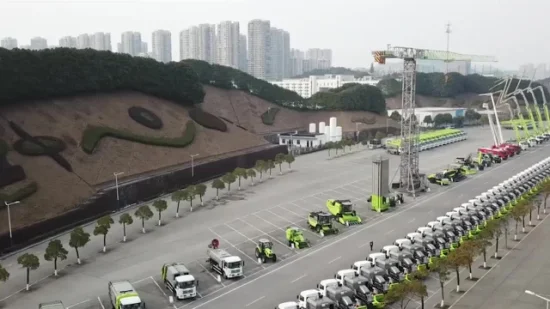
x=274 y=258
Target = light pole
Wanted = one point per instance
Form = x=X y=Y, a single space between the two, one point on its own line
x=541 y=297
x=9 y=218
x=116 y=184
x=193 y=164
x=292 y=142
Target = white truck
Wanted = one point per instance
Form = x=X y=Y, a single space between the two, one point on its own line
x=123 y=296
x=304 y=296
x=288 y=305
x=357 y=266
x=57 y=304
x=179 y=281
x=225 y=264
x=325 y=284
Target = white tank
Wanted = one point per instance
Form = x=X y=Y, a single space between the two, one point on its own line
x=322 y=127
x=327 y=134
x=312 y=128
x=338 y=135
x=332 y=122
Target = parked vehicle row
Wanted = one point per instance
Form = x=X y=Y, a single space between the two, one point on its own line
x=429 y=140
x=463 y=167
x=366 y=282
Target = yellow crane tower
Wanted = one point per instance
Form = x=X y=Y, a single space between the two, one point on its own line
x=410 y=179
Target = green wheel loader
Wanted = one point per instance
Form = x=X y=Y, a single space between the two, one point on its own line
x=264 y=251
x=343 y=211
x=295 y=238
x=321 y=222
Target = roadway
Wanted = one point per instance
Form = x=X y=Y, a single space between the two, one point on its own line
x=239 y=219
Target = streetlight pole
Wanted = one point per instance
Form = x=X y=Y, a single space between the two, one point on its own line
x=9 y=218
x=116 y=184
x=193 y=164
x=539 y=296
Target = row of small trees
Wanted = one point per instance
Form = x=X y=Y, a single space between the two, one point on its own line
x=341 y=145
x=467 y=253
x=79 y=238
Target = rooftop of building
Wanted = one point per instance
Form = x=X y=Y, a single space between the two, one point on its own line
x=301 y=133
x=431 y=109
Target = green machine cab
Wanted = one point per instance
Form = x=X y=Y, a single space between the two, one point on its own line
x=321 y=222
x=264 y=251
x=295 y=238
x=343 y=211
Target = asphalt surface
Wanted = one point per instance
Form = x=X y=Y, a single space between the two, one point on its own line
x=525 y=267
x=239 y=219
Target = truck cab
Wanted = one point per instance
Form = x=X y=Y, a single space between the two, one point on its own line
x=325 y=284
x=304 y=296
x=343 y=297
x=406 y=262
x=440 y=241
x=288 y=305
x=357 y=266
x=179 y=281
x=359 y=285
x=225 y=264
x=448 y=231
x=387 y=250
x=320 y=303
x=374 y=258
x=418 y=253
x=123 y=296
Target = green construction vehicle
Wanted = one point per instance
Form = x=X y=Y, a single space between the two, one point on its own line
x=295 y=238
x=343 y=212
x=383 y=203
x=321 y=222
x=264 y=251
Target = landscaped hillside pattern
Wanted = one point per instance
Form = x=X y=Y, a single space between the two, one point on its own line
x=70 y=120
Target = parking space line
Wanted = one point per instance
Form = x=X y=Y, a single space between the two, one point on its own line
x=243 y=235
x=292 y=212
x=305 y=209
x=264 y=233
x=248 y=256
x=348 y=190
x=100 y=303
x=302 y=276
x=80 y=303
x=158 y=286
x=211 y=274
x=332 y=261
x=320 y=199
x=389 y=232
x=412 y=220
x=140 y=280
x=254 y=301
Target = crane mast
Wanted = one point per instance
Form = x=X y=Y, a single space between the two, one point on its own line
x=410 y=179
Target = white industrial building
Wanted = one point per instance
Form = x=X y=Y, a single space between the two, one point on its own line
x=422 y=112
x=306 y=87
x=315 y=137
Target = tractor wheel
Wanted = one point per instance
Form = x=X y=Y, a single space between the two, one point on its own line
x=263 y=259
x=321 y=233
x=274 y=258
x=347 y=223
x=258 y=253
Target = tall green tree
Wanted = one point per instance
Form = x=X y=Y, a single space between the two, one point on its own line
x=30 y=262
x=260 y=167
x=441 y=268
x=200 y=189
x=144 y=213
x=400 y=293
x=4 y=274
x=160 y=206
x=55 y=251
x=428 y=119
x=252 y=174
x=455 y=260
x=240 y=173
x=218 y=184
x=419 y=290
x=270 y=165
x=78 y=239
x=191 y=194
x=494 y=228
x=229 y=178
x=125 y=219
x=396 y=116
x=178 y=196
x=103 y=225
x=279 y=160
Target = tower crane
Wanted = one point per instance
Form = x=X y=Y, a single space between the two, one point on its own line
x=410 y=179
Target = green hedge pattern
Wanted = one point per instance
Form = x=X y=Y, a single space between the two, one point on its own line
x=93 y=134
x=20 y=194
x=207 y=120
x=50 y=73
x=268 y=117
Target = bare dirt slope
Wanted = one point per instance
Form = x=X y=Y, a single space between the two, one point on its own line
x=246 y=110
x=468 y=100
x=67 y=118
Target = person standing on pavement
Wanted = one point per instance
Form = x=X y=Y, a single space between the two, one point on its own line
x=371 y=245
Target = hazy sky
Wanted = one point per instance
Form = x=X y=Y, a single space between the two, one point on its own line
x=515 y=31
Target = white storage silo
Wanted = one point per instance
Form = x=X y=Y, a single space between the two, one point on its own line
x=327 y=134
x=322 y=127
x=312 y=128
x=332 y=123
x=338 y=135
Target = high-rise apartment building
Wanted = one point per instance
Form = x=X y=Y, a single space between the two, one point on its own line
x=38 y=43
x=227 y=44
x=67 y=41
x=259 y=49
x=144 y=47
x=198 y=43
x=8 y=43
x=100 y=41
x=162 y=45
x=83 y=41
x=131 y=43
x=243 y=61
x=296 y=62
x=318 y=58
x=280 y=54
